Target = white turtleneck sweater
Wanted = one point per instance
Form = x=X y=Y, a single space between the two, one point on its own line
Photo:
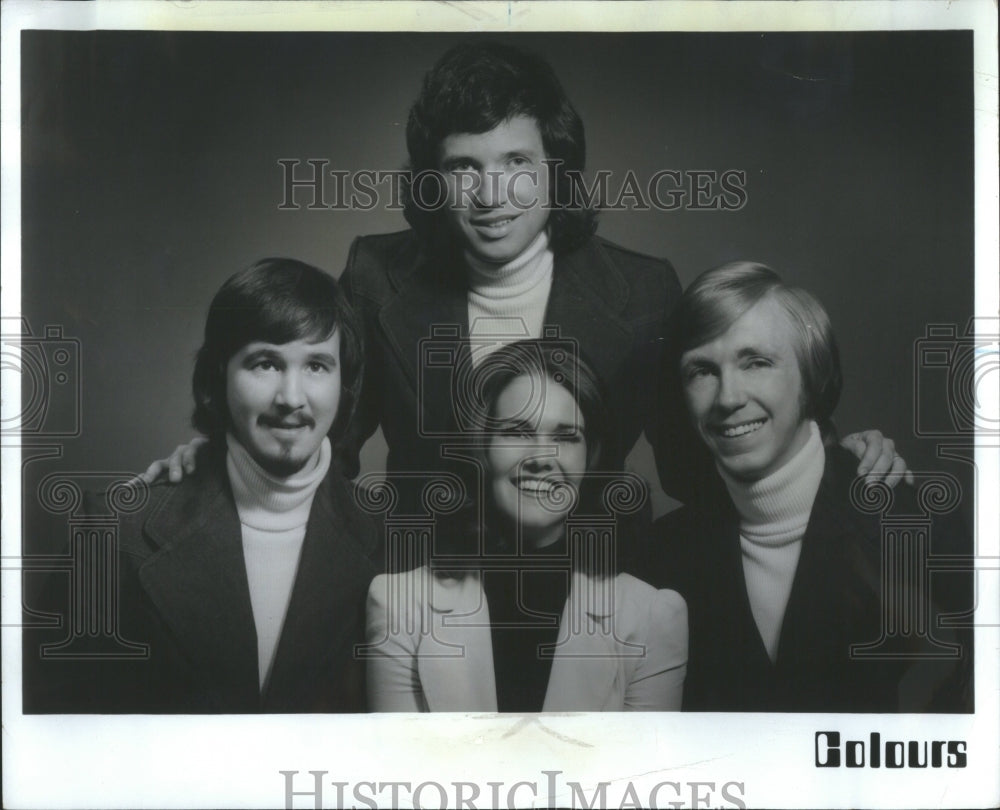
x=774 y=513
x=507 y=301
x=273 y=516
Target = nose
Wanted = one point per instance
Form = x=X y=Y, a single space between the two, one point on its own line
x=291 y=392
x=732 y=393
x=492 y=189
x=542 y=459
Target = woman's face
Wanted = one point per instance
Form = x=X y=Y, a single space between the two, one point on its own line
x=537 y=457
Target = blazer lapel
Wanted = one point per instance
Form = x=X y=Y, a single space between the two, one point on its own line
x=585 y=661
x=455 y=661
x=744 y=642
x=197 y=582
x=588 y=293
x=587 y=296
x=431 y=302
x=810 y=624
x=326 y=604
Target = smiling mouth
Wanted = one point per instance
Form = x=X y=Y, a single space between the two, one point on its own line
x=736 y=431
x=493 y=224
x=536 y=486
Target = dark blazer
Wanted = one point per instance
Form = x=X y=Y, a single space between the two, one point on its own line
x=610 y=303
x=835 y=601
x=183 y=591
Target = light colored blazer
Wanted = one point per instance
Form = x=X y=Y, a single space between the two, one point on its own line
x=622 y=645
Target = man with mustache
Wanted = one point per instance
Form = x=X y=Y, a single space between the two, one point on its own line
x=501 y=248
x=247 y=581
x=511 y=255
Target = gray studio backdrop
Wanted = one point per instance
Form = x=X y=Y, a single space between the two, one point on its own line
x=150 y=174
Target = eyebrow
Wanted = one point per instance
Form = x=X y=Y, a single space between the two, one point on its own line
x=324 y=357
x=449 y=161
x=521 y=150
x=742 y=353
x=256 y=354
x=526 y=424
x=273 y=354
x=754 y=351
x=514 y=424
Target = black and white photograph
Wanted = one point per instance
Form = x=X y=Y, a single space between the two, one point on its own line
x=500 y=405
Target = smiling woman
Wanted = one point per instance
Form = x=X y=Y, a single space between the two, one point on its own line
x=524 y=610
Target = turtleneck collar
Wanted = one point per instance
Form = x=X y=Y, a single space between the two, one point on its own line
x=270 y=503
x=775 y=510
x=513 y=278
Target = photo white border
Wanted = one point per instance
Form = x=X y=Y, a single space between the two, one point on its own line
x=234 y=761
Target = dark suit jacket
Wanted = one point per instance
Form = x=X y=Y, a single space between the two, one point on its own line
x=183 y=591
x=835 y=602
x=611 y=303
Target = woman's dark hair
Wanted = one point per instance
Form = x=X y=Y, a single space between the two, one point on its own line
x=549 y=362
x=276 y=301
x=474 y=88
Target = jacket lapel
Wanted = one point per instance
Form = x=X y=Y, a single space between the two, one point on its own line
x=455 y=662
x=743 y=641
x=820 y=577
x=585 y=663
x=587 y=296
x=326 y=605
x=429 y=302
x=197 y=582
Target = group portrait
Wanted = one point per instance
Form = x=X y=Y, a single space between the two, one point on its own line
x=498 y=373
x=510 y=354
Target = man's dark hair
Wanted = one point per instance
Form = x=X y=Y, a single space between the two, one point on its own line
x=275 y=301
x=474 y=88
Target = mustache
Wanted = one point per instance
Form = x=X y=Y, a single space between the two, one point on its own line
x=286 y=420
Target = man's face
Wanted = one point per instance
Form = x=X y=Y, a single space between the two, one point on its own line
x=537 y=458
x=744 y=392
x=283 y=400
x=498 y=188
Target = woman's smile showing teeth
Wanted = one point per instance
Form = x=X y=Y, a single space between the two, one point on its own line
x=538 y=485
x=535 y=465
